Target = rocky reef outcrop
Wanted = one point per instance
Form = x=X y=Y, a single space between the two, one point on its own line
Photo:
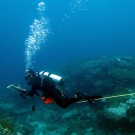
x=107 y=76
x=6 y=128
x=101 y=74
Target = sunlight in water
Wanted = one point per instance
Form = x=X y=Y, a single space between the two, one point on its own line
x=37 y=35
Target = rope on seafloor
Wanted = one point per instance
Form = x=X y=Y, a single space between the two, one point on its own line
x=122 y=95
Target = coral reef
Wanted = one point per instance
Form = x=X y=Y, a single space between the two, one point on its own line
x=6 y=128
x=109 y=76
x=104 y=76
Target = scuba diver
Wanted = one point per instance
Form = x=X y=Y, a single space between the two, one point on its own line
x=46 y=82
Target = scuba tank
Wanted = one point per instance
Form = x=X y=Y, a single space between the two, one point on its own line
x=57 y=79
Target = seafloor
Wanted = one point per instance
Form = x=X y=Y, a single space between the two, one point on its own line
x=105 y=76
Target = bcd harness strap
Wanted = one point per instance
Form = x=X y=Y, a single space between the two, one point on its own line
x=43 y=76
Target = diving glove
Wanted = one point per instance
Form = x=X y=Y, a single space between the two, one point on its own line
x=23 y=93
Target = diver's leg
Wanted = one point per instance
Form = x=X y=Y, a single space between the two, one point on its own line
x=59 y=97
x=62 y=100
x=93 y=100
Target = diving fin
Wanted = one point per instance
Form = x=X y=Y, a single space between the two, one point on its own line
x=95 y=100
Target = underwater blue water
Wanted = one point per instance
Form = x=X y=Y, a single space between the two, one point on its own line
x=78 y=29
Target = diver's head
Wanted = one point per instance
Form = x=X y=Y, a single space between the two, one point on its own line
x=29 y=76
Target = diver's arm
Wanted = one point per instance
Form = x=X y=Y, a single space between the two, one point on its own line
x=35 y=85
x=23 y=93
x=31 y=92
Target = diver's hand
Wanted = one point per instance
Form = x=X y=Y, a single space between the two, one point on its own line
x=23 y=93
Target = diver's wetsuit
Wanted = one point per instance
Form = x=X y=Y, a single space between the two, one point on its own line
x=49 y=89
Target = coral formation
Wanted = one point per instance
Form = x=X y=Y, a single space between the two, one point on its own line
x=102 y=74
x=109 y=76
x=106 y=76
x=6 y=128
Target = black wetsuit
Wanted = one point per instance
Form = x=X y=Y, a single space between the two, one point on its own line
x=47 y=86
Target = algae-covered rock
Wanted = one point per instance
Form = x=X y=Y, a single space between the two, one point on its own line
x=101 y=74
x=131 y=111
x=120 y=73
x=6 y=126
